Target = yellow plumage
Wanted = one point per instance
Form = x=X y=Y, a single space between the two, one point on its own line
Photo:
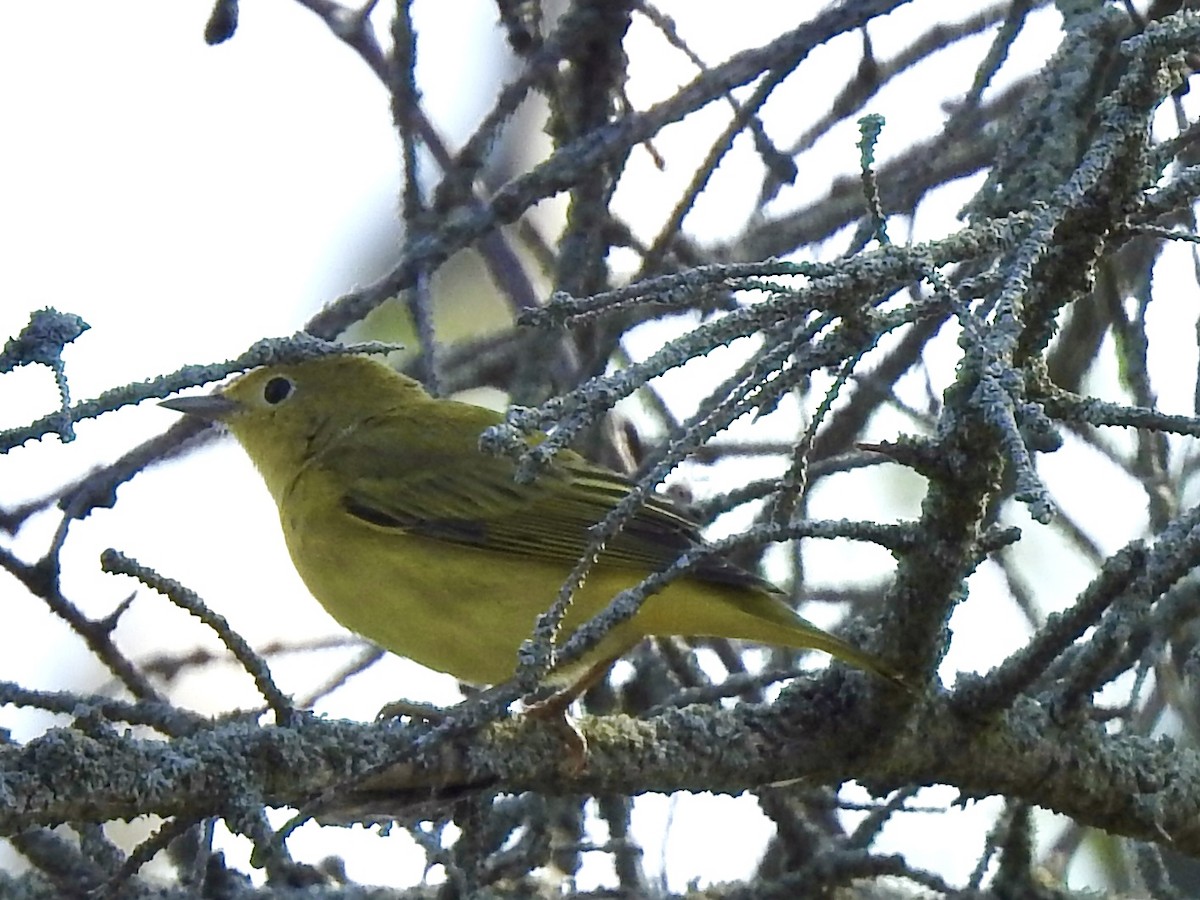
x=412 y=537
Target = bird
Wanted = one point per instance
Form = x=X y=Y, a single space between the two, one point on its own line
x=414 y=538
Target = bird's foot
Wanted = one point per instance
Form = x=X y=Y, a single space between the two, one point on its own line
x=555 y=711
x=412 y=709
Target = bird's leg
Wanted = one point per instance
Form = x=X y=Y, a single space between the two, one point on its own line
x=555 y=710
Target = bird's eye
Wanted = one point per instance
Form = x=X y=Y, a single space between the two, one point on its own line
x=277 y=390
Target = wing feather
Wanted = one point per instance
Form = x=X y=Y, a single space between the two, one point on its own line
x=456 y=493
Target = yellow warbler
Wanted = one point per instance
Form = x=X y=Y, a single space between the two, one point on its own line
x=412 y=537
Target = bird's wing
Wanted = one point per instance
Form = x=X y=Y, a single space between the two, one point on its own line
x=458 y=494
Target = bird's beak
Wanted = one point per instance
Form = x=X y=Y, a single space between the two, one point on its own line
x=210 y=407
